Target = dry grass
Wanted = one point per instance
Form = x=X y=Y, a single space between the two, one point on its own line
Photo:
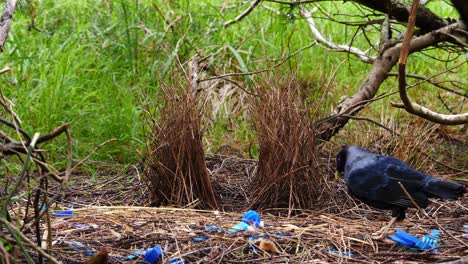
x=288 y=174
x=176 y=165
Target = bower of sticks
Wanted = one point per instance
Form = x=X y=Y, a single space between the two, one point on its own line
x=186 y=201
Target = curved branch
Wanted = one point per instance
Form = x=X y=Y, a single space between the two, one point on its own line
x=244 y=14
x=408 y=105
x=377 y=75
x=337 y=47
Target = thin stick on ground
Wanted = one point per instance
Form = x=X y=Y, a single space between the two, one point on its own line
x=430 y=218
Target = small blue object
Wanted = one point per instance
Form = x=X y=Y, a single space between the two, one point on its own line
x=242 y=226
x=341 y=253
x=199 y=239
x=63 y=213
x=80 y=247
x=176 y=261
x=152 y=255
x=213 y=228
x=251 y=217
x=428 y=241
x=43 y=208
x=132 y=256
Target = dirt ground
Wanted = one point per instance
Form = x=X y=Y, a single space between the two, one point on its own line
x=111 y=211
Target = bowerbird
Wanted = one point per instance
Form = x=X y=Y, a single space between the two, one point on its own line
x=377 y=181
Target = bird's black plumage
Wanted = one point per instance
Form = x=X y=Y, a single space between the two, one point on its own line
x=374 y=178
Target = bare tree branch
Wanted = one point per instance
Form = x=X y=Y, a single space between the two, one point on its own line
x=337 y=47
x=408 y=105
x=377 y=75
x=5 y=20
x=244 y=14
x=426 y=20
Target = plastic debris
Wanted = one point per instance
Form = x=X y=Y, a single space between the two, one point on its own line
x=80 y=247
x=341 y=253
x=152 y=255
x=429 y=241
x=63 y=213
x=176 y=261
x=209 y=229
x=213 y=228
x=250 y=220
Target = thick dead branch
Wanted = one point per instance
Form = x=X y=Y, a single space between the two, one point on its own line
x=426 y=20
x=5 y=20
x=377 y=75
x=408 y=105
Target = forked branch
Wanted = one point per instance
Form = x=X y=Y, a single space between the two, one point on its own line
x=410 y=106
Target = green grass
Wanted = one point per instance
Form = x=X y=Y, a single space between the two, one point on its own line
x=98 y=66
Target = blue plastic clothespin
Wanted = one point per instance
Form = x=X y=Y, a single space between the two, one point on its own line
x=428 y=241
x=249 y=218
x=152 y=255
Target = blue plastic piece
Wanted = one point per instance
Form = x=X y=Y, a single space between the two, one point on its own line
x=251 y=217
x=152 y=255
x=199 y=239
x=428 y=241
x=63 y=213
x=176 y=261
x=132 y=256
x=80 y=247
x=213 y=228
x=341 y=253
x=242 y=226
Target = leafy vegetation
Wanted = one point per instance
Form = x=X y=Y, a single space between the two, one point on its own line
x=100 y=64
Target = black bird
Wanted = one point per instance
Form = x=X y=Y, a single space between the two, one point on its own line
x=374 y=179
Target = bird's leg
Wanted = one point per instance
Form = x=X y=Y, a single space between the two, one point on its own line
x=382 y=233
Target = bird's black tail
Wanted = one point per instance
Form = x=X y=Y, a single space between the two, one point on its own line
x=444 y=189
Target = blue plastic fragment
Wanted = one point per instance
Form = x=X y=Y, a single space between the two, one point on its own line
x=63 y=213
x=242 y=226
x=131 y=256
x=213 y=228
x=152 y=255
x=428 y=241
x=199 y=239
x=251 y=243
x=176 y=261
x=251 y=217
x=80 y=247
x=341 y=252
x=43 y=208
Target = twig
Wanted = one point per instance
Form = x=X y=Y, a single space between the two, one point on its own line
x=372 y=121
x=281 y=62
x=344 y=48
x=29 y=242
x=408 y=105
x=69 y=156
x=430 y=218
x=92 y=152
x=428 y=79
x=21 y=176
x=244 y=14
x=5 y=20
